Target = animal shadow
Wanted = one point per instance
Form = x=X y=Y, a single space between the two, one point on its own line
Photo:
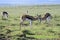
x=24 y=37
x=57 y=24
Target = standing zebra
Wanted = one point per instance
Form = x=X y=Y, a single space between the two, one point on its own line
x=28 y=17
x=47 y=17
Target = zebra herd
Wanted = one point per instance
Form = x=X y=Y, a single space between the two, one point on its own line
x=47 y=17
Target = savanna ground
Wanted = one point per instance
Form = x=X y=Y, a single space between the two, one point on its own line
x=41 y=31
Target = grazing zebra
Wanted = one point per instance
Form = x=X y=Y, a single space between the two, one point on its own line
x=4 y=15
x=47 y=17
x=28 y=17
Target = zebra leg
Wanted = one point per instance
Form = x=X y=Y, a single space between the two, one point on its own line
x=48 y=20
x=21 y=23
x=30 y=22
x=40 y=20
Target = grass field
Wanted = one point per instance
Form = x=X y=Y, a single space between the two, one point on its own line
x=41 y=31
